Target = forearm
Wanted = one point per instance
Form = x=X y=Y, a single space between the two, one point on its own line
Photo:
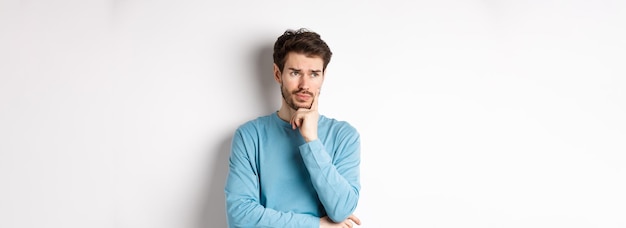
x=337 y=186
x=247 y=213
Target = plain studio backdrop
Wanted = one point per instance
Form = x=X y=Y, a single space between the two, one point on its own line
x=490 y=114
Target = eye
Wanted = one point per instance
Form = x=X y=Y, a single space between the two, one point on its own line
x=315 y=74
x=294 y=73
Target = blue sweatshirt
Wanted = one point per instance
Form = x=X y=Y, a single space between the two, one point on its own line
x=276 y=179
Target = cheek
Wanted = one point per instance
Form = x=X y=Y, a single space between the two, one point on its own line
x=317 y=84
x=290 y=84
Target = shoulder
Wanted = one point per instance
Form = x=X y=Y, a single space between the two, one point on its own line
x=339 y=126
x=254 y=125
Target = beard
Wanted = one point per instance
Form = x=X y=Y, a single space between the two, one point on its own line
x=290 y=100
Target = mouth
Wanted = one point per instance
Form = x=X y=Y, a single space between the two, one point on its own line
x=303 y=96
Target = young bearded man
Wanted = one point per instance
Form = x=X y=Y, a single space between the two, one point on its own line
x=295 y=167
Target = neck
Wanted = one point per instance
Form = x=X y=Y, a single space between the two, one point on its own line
x=285 y=112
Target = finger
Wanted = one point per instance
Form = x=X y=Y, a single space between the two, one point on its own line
x=293 y=121
x=295 y=124
x=299 y=121
x=315 y=100
x=355 y=219
x=296 y=121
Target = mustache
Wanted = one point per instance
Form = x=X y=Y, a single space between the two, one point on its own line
x=303 y=91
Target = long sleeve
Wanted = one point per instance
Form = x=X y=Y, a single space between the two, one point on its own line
x=336 y=178
x=242 y=191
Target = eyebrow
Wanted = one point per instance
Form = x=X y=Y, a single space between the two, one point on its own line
x=298 y=70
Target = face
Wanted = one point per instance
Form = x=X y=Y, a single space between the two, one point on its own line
x=300 y=80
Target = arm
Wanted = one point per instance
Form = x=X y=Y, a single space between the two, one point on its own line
x=243 y=206
x=335 y=179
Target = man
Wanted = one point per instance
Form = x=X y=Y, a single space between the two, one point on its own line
x=295 y=167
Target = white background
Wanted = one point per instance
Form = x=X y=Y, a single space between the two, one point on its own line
x=482 y=114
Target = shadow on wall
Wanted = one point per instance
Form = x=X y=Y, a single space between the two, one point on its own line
x=214 y=213
x=265 y=76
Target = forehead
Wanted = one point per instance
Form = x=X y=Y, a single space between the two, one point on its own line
x=303 y=62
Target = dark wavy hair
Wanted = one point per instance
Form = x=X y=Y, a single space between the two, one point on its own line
x=302 y=41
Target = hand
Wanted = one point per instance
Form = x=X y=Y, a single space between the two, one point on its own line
x=306 y=120
x=325 y=222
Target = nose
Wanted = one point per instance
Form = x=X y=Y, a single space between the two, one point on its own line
x=304 y=83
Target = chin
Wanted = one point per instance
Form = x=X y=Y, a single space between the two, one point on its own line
x=299 y=105
x=304 y=104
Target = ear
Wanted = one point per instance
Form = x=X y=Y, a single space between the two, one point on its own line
x=277 y=74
